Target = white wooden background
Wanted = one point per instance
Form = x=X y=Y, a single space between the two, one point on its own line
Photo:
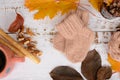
x=51 y=57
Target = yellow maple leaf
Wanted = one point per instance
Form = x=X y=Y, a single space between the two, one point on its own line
x=50 y=7
x=108 y=2
x=114 y=64
x=96 y=4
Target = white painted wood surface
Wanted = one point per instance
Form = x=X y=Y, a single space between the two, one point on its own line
x=51 y=57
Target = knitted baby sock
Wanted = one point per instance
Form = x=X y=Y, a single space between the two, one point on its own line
x=77 y=49
x=77 y=46
x=59 y=40
x=76 y=37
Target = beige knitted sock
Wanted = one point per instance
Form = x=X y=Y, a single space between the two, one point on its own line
x=77 y=49
x=74 y=38
x=59 y=40
x=66 y=29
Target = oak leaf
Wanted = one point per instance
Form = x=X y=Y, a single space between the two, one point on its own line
x=50 y=7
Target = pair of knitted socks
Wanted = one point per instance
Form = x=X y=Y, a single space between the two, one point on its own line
x=73 y=37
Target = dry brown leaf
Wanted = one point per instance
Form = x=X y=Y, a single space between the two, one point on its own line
x=65 y=73
x=91 y=65
x=16 y=24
